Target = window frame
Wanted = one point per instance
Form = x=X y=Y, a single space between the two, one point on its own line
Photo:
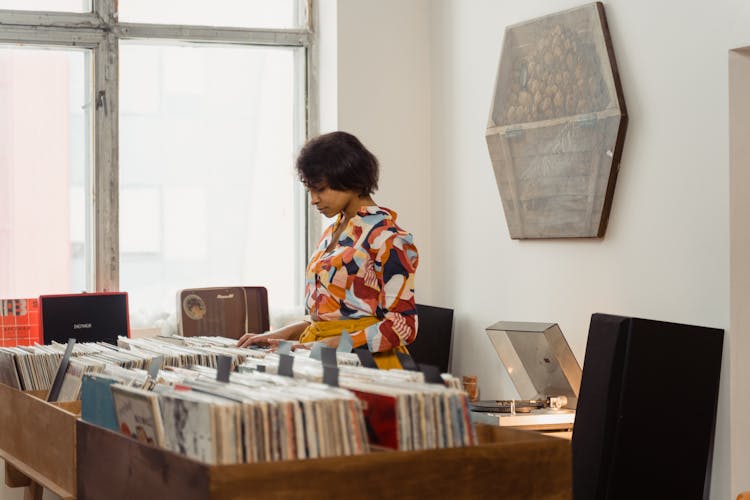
x=101 y=32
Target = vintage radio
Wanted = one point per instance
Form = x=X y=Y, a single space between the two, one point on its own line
x=222 y=311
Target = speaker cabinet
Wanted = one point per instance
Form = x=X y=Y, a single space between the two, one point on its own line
x=646 y=411
x=435 y=331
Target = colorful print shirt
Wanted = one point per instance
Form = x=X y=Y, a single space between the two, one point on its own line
x=369 y=272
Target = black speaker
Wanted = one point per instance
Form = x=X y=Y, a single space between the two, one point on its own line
x=646 y=412
x=434 y=333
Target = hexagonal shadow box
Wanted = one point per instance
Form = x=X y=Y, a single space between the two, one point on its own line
x=557 y=125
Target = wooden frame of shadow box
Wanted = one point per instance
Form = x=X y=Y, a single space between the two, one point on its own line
x=38 y=442
x=509 y=463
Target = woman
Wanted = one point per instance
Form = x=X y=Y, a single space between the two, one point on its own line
x=361 y=276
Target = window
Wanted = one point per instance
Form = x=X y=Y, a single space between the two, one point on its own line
x=149 y=157
x=52 y=5
x=238 y=13
x=44 y=170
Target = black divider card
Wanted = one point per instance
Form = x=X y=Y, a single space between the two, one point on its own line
x=328 y=356
x=223 y=367
x=54 y=391
x=365 y=357
x=407 y=362
x=431 y=374
x=286 y=362
x=331 y=375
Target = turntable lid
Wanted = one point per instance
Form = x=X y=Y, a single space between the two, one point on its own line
x=538 y=359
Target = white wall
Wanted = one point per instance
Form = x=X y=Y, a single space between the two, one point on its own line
x=7 y=493
x=383 y=97
x=666 y=251
x=739 y=152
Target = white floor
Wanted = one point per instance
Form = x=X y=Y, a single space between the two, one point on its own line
x=17 y=493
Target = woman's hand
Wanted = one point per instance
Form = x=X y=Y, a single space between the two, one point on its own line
x=274 y=343
x=261 y=339
x=329 y=342
x=289 y=332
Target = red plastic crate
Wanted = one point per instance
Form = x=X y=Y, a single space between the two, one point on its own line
x=19 y=322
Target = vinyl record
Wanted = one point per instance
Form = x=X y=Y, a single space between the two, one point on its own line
x=505 y=406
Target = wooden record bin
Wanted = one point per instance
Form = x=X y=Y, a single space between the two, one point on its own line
x=508 y=464
x=38 y=441
x=47 y=445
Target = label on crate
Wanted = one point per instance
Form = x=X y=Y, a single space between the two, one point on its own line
x=19 y=322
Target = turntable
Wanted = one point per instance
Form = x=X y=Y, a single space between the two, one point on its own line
x=545 y=373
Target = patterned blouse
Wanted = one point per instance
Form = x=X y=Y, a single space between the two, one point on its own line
x=369 y=272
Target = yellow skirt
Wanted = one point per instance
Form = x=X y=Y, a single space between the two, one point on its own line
x=319 y=330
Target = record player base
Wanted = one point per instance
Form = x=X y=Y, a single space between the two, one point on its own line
x=508 y=464
x=551 y=422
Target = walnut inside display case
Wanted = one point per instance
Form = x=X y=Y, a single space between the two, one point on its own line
x=557 y=125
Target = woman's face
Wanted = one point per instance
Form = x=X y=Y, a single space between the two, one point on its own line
x=330 y=202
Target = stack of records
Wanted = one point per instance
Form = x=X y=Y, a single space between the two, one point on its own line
x=33 y=368
x=253 y=414
x=401 y=410
x=255 y=418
